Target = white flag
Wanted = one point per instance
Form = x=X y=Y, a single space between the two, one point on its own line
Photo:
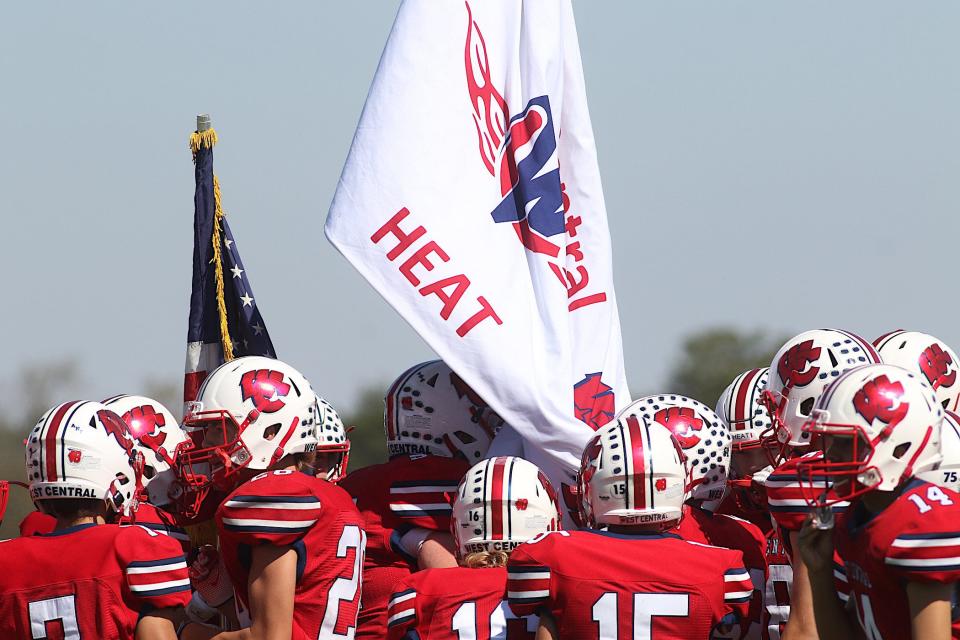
x=471 y=200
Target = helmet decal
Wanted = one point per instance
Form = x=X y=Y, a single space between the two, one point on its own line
x=116 y=427
x=683 y=423
x=793 y=367
x=935 y=364
x=265 y=388
x=881 y=399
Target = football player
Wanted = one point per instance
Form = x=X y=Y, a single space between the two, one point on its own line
x=947 y=474
x=500 y=503
x=157 y=435
x=292 y=541
x=927 y=357
x=88 y=578
x=748 y=420
x=799 y=373
x=880 y=426
x=628 y=576
x=436 y=428
x=704 y=441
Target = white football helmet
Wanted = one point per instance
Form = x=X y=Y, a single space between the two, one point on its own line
x=431 y=410
x=703 y=438
x=252 y=412
x=800 y=371
x=501 y=503
x=332 y=438
x=740 y=408
x=157 y=434
x=81 y=449
x=884 y=425
x=632 y=473
x=948 y=473
x=925 y=355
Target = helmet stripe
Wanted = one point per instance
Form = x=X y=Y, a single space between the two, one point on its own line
x=744 y=387
x=880 y=342
x=496 y=499
x=512 y=463
x=639 y=462
x=50 y=440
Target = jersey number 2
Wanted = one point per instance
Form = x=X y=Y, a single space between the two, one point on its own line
x=344 y=589
x=646 y=606
x=63 y=609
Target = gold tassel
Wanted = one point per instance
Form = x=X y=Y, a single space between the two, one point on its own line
x=218 y=272
x=200 y=139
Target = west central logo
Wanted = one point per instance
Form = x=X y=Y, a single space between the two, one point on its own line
x=522 y=154
x=265 y=388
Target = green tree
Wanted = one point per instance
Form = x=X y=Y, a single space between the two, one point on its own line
x=712 y=358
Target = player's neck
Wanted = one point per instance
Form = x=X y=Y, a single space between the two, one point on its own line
x=66 y=523
x=877 y=501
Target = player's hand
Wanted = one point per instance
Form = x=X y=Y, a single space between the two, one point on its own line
x=208 y=577
x=816 y=546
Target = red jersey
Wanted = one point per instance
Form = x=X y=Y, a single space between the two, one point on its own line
x=406 y=492
x=37 y=522
x=731 y=532
x=789 y=510
x=915 y=539
x=601 y=585
x=88 y=581
x=318 y=520
x=158 y=520
x=457 y=603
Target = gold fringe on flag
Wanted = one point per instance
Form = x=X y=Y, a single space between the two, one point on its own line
x=208 y=139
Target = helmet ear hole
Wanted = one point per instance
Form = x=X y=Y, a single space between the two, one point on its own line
x=271 y=432
x=901 y=450
x=806 y=407
x=465 y=437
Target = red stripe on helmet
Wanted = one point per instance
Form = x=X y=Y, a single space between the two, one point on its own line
x=878 y=343
x=50 y=439
x=496 y=498
x=739 y=413
x=639 y=463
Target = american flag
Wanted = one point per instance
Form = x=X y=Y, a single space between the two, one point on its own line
x=247 y=331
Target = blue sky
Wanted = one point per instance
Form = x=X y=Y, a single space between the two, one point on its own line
x=765 y=164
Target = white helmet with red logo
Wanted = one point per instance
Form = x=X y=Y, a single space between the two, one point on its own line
x=431 y=410
x=801 y=370
x=891 y=420
x=632 y=473
x=925 y=355
x=703 y=438
x=501 y=503
x=740 y=408
x=157 y=434
x=81 y=449
x=948 y=473
x=252 y=412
